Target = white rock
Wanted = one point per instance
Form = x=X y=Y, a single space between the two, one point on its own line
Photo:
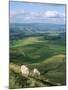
x=36 y=72
x=24 y=71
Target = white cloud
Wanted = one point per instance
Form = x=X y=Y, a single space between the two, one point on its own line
x=52 y=16
x=51 y=13
x=37 y=14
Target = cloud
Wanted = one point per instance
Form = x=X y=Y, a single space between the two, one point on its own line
x=47 y=16
x=53 y=14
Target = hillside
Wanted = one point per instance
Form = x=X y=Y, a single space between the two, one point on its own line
x=48 y=56
x=21 y=30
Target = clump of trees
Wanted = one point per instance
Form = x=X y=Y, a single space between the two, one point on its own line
x=50 y=37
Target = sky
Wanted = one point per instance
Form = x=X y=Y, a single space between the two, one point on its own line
x=21 y=12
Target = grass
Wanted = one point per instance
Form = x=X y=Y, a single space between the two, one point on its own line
x=48 y=56
x=34 y=49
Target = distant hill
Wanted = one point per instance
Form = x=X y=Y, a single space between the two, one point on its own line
x=20 y=30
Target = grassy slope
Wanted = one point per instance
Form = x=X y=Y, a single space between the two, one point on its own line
x=35 y=49
x=48 y=56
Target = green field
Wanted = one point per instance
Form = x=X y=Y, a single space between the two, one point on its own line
x=48 y=56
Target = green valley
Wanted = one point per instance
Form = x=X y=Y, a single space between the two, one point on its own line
x=48 y=56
